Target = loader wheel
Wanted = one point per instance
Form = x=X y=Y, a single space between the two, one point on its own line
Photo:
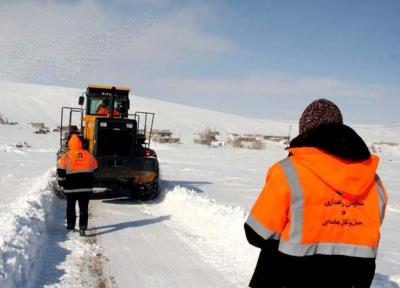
x=150 y=192
x=154 y=191
x=145 y=192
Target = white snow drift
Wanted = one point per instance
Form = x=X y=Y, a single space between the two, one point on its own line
x=22 y=233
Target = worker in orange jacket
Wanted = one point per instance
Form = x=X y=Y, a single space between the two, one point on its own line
x=317 y=220
x=75 y=170
x=102 y=110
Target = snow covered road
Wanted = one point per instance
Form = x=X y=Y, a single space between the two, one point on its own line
x=143 y=251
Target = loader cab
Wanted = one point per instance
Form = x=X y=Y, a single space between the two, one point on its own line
x=107 y=126
x=101 y=100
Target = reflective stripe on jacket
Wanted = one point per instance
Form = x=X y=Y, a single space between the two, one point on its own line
x=316 y=203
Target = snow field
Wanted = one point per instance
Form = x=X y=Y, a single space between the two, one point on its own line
x=11 y=149
x=214 y=230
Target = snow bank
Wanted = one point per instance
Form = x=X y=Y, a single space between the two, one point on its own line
x=214 y=230
x=22 y=233
x=35 y=250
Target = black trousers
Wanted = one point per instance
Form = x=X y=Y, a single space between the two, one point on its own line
x=277 y=270
x=83 y=200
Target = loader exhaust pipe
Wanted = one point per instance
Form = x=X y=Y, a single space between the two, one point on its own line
x=113 y=94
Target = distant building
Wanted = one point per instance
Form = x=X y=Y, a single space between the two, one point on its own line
x=206 y=137
x=43 y=130
x=253 y=136
x=376 y=147
x=40 y=128
x=276 y=138
x=37 y=125
x=61 y=128
x=164 y=136
x=246 y=141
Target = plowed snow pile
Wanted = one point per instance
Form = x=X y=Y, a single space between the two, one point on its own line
x=214 y=230
x=33 y=240
x=22 y=233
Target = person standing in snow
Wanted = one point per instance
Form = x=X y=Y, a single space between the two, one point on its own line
x=317 y=220
x=75 y=170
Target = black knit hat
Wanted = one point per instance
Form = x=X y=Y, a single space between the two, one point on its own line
x=319 y=112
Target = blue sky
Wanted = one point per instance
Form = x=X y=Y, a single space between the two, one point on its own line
x=352 y=40
x=265 y=59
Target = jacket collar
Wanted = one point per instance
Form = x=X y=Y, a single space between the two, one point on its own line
x=336 y=139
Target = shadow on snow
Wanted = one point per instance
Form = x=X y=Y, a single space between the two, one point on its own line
x=123 y=196
x=53 y=253
x=100 y=230
x=381 y=280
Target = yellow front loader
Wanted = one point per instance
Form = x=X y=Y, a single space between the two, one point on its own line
x=119 y=140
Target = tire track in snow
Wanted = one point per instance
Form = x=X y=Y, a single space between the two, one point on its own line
x=145 y=252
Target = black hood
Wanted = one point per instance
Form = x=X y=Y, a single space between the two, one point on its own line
x=337 y=139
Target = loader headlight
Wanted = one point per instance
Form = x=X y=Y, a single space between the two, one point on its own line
x=103 y=124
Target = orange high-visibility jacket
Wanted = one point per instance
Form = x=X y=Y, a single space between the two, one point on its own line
x=78 y=165
x=102 y=110
x=317 y=203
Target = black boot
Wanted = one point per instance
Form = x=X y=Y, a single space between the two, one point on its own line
x=70 y=227
x=82 y=230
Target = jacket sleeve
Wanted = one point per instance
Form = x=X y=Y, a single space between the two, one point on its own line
x=269 y=214
x=61 y=170
x=383 y=197
x=256 y=240
x=93 y=163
